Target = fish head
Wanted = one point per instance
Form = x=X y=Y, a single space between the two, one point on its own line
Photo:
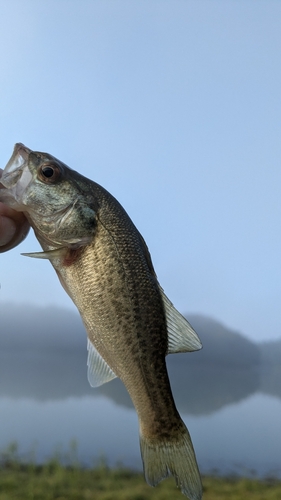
x=55 y=199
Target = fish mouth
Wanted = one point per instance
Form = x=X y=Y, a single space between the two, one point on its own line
x=18 y=158
x=15 y=177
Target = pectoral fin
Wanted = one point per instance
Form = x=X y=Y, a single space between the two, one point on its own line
x=57 y=252
x=181 y=336
x=98 y=370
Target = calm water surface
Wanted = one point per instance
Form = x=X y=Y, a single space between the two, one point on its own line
x=229 y=395
x=241 y=438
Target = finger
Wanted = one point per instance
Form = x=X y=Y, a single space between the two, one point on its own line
x=14 y=228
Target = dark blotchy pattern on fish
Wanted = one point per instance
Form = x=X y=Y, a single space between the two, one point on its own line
x=125 y=289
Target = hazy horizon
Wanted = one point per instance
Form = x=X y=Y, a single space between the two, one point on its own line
x=43 y=356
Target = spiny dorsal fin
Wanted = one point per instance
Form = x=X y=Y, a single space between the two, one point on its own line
x=181 y=336
x=98 y=370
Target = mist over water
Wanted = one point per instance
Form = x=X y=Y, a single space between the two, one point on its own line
x=228 y=394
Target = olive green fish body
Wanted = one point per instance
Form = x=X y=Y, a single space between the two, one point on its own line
x=114 y=287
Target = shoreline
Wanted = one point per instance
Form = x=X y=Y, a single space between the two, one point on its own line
x=25 y=480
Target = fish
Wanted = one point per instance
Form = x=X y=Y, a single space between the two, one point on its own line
x=104 y=265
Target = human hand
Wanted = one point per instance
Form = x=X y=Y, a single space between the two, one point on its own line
x=13 y=226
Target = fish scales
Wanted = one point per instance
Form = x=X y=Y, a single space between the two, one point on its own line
x=104 y=265
x=128 y=319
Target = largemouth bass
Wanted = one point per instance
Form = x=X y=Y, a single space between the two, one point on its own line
x=103 y=263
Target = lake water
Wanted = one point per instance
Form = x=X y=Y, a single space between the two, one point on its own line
x=241 y=438
x=233 y=411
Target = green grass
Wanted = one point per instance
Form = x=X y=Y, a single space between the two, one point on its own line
x=28 y=481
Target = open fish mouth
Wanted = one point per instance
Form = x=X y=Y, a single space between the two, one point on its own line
x=18 y=158
x=15 y=177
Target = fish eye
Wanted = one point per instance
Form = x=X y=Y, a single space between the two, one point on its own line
x=49 y=173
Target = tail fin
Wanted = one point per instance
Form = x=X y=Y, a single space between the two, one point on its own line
x=176 y=457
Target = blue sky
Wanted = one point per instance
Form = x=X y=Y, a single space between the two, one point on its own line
x=174 y=107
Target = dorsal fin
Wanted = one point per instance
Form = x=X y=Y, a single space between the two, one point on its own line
x=98 y=370
x=181 y=336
